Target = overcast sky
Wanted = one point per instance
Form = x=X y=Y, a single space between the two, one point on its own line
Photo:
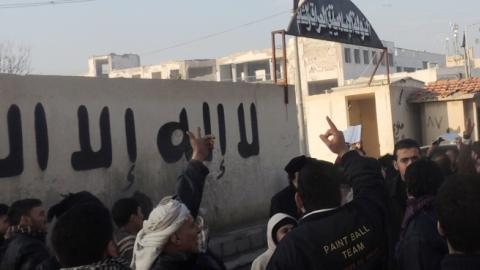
x=63 y=37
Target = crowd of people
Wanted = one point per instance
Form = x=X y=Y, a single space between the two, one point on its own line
x=403 y=211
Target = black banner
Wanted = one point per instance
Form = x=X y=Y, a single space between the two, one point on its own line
x=333 y=20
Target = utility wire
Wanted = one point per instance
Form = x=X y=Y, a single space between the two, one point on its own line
x=181 y=44
x=42 y=3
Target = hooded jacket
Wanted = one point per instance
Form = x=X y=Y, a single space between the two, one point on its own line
x=261 y=262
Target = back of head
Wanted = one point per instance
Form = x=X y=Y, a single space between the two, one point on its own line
x=319 y=185
x=3 y=209
x=69 y=201
x=443 y=161
x=123 y=209
x=405 y=144
x=145 y=203
x=82 y=234
x=21 y=208
x=423 y=177
x=295 y=165
x=458 y=207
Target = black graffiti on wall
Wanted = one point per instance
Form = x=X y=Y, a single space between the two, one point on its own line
x=12 y=165
x=88 y=159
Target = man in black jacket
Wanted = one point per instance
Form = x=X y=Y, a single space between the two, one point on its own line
x=284 y=200
x=25 y=247
x=458 y=207
x=420 y=246
x=330 y=236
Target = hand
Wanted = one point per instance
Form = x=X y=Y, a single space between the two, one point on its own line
x=334 y=139
x=201 y=145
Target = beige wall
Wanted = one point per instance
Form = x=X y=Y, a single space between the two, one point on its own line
x=335 y=105
x=440 y=117
x=239 y=187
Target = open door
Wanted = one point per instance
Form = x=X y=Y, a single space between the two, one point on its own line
x=362 y=111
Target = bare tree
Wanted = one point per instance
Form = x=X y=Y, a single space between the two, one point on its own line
x=14 y=59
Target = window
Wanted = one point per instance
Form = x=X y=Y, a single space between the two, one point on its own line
x=425 y=64
x=356 y=54
x=156 y=75
x=348 y=55
x=399 y=69
x=409 y=69
x=366 y=57
x=374 y=58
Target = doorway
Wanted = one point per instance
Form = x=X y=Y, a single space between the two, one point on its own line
x=362 y=111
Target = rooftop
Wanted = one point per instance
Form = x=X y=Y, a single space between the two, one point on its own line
x=447 y=90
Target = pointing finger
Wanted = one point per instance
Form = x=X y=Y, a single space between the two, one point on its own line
x=331 y=124
x=199 y=132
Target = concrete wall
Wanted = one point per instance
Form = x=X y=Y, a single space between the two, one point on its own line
x=441 y=117
x=405 y=117
x=143 y=121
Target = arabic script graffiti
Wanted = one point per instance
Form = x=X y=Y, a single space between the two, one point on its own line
x=327 y=18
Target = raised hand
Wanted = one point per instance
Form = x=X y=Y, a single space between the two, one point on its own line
x=201 y=146
x=334 y=139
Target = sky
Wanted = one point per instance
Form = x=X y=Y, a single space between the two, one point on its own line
x=62 y=37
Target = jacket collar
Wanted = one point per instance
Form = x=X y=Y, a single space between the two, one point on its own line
x=318 y=214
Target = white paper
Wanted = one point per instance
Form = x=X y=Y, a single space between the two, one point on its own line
x=451 y=137
x=353 y=134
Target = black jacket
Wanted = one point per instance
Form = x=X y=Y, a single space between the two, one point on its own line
x=397 y=191
x=284 y=202
x=189 y=191
x=461 y=262
x=349 y=237
x=24 y=252
x=421 y=247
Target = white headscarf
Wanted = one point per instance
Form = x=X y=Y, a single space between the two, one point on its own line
x=164 y=221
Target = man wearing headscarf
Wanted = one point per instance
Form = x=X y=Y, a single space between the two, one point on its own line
x=169 y=238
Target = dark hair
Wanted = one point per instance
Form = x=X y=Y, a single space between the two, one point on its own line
x=295 y=165
x=145 y=203
x=70 y=200
x=443 y=161
x=405 y=144
x=21 y=208
x=319 y=185
x=3 y=209
x=81 y=235
x=458 y=207
x=123 y=209
x=423 y=177
x=284 y=221
x=386 y=163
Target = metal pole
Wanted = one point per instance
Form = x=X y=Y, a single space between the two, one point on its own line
x=385 y=52
x=274 y=60
x=467 y=70
x=300 y=102
x=376 y=67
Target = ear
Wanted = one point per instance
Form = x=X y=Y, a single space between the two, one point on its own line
x=395 y=165
x=174 y=239
x=112 y=249
x=299 y=202
x=440 y=229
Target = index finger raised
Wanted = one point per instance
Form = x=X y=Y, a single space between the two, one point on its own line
x=331 y=124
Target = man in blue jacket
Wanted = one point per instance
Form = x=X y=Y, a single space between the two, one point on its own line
x=330 y=236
